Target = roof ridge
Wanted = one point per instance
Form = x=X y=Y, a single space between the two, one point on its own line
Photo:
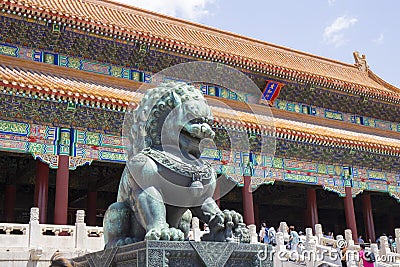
x=205 y=42
x=382 y=82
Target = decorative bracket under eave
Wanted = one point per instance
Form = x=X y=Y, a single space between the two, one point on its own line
x=52 y=161
x=395 y=195
x=49 y=159
x=341 y=190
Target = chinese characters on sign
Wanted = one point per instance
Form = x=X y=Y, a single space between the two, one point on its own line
x=271 y=92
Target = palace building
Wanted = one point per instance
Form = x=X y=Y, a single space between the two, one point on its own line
x=68 y=70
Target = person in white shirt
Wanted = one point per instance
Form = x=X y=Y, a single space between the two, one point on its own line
x=261 y=235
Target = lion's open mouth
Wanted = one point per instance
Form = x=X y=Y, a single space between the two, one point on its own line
x=193 y=133
x=190 y=136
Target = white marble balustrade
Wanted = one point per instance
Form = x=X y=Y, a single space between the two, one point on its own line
x=318 y=249
x=33 y=244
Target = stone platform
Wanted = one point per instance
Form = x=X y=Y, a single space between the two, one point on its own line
x=182 y=254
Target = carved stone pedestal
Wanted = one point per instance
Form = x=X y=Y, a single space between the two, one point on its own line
x=181 y=254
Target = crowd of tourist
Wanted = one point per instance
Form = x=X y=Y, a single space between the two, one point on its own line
x=391 y=241
x=267 y=235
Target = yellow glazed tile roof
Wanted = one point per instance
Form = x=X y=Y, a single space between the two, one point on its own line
x=210 y=42
x=63 y=82
x=307 y=131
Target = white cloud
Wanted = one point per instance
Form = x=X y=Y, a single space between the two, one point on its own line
x=331 y=2
x=380 y=40
x=333 y=34
x=188 y=9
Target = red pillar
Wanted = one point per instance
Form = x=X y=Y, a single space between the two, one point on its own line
x=91 y=207
x=248 y=208
x=41 y=190
x=350 y=214
x=9 y=203
x=61 y=205
x=312 y=207
x=368 y=217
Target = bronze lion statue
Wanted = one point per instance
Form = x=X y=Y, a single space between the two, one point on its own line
x=165 y=181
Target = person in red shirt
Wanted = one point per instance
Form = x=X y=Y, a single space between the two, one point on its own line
x=365 y=257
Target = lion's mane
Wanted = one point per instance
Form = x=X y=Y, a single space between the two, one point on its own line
x=146 y=121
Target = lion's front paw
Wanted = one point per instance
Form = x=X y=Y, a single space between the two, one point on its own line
x=170 y=234
x=153 y=234
x=217 y=222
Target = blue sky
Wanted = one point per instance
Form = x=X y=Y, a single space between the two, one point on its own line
x=328 y=28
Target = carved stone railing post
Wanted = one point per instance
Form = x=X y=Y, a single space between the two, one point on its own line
x=283 y=228
x=348 y=236
x=384 y=247
x=312 y=252
x=339 y=237
x=34 y=229
x=352 y=258
x=80 y=233
x=397 y=239
x=280 y=248
x=196 y=229
x=352 y=255
x=280 y=242
x=352 y=249
x=375 y=249
x=318 y=232
x=253 y=234
x=309 y=237
x=310 y=248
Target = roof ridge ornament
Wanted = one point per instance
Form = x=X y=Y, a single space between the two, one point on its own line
x=361 y=62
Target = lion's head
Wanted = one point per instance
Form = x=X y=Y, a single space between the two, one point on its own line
x=171 y=114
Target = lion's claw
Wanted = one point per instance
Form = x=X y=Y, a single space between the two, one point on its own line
x=153 y=234
x=170 y=234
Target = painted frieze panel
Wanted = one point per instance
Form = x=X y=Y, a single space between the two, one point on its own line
x=336 y=115
x=26 y=138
